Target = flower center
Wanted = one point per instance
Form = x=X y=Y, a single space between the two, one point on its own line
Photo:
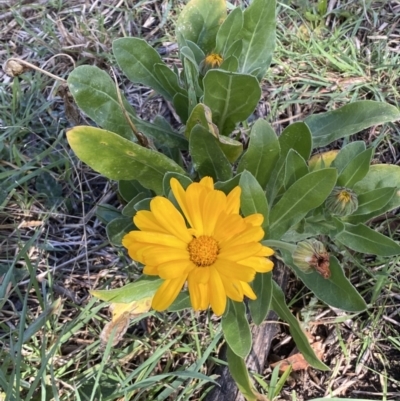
x=203 y=250
x=214 y=60
x=344 y=196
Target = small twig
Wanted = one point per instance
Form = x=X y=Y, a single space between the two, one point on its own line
x=11 y=64
x=140 y=137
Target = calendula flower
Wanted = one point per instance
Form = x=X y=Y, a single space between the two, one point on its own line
x=342 y=201
x=213 y=60
x=207 y=245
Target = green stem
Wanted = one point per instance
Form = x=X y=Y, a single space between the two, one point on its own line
x=279 y=244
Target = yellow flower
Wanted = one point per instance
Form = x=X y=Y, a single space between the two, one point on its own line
x=213 y=60
x=208 y=245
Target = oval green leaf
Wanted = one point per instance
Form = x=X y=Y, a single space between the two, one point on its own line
x=337 y=291
x=252 y=198
x=262 y=153
x=262 y=286
x=208 y=159
x=356 y=170
x=228 y=32
x=347 y=154
x=142 y=288
x=236 y=328
x=119 y=159
x=258 y=36
x=116 y=229
x=304 y=195
x=224 y=95
x=361 y=238
x=142 y=64
x=199 y=22
x=349 y=119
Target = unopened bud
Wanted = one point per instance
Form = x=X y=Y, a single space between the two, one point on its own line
x=342 y=202
x=213 y=60
x=312 y=255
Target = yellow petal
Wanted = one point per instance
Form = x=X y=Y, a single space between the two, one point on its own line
x=234 y=270
x=174 y=269
x=217 y=293
x=167 y=293
x=137 y=250
x=207 y=182
x=265 y=251
x=253 y=234
x=248 y=291
x=228 y=226
x=233 y=201
x=200 y=275
x=145 y=221
x=162 y=254
x=180 y=196
x=150 y=270
x=195 y=196
x=214 y=204
x=240 y=252
x=152 y=238
x=194 y=292
x=169 y=218
x=255 y=219
x=204 y=296
x=258 y=263
x=233 y=289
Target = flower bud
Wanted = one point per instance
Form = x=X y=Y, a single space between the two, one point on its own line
x=213 y=60
x=342 y=202
x=312 y=254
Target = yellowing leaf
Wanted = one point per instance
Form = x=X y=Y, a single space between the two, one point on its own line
x=121 y=316
x=322 y=160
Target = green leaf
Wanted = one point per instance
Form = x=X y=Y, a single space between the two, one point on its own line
x=129 y=209
x=208 y=159
x=302 y=343
x=129 y=189
x=373 y=200
x=239 y=373
x=236 y=328
x=347 y=154
x=349 y=119
x=143 y=204
x=106 y=213
x=142 y=288
x=119 y=159
x=227 y=186
x=228 y=31
x=337 y=291
x=304 y=195
x=379 y=176
x=201 y=114
x=181 y=302
x=198 y=54
x=191 y=77
x=296 y=136
x=295 y=168
x=230 y=64
x=262 y=153
x=142 y=64
x=95 y=93
x=252 y=198
x=181 y=106
x=258 y=36
x=199 y=22
x=279 y=306
x=48 y=186
x=232 y=149
x=262 y=286
x=361 y=238
x=224 y=95
x=235 y=50
x=116 y=229
x=356 y=170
